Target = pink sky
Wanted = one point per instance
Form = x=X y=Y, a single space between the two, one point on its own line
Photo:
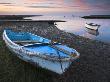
x=52 y=6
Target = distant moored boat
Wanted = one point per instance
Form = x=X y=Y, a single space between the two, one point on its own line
x=40 y=51
x=92 y=26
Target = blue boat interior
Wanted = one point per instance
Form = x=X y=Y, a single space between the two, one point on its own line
x=25 y=36
x=47 y=50
x=42 y=45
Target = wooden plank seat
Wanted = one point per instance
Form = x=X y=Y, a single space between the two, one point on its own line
x=25 y=42
x=28 y=42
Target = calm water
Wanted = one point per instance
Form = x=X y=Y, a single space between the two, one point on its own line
x=76 y=25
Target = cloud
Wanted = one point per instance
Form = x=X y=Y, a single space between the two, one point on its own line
x=9 y=5
x=97 y=4
x=43 y=7
x=56 y=5
x=5 y=3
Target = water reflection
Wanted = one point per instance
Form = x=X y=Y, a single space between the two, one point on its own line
x=93 y=32
x=77 y=26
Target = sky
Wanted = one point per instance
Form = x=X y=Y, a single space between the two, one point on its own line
x=54 y=6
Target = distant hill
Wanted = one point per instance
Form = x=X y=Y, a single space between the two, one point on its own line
x=97 y=17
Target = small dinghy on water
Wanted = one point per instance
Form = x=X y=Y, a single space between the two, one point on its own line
x=92 y=26
x=40 y=51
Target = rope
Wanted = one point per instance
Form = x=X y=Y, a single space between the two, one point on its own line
x=60 y=60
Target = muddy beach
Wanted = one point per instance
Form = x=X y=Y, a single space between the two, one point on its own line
x=93 y=65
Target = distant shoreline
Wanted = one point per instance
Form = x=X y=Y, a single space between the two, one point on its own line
x=97 y=17
x=16 y=17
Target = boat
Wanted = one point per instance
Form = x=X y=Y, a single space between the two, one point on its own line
x=40 y=51
x=92 y=26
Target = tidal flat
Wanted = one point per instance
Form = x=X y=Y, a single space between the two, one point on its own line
x=93 y=65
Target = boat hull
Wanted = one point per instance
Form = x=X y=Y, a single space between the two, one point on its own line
x=92 y=27
x=56 y=66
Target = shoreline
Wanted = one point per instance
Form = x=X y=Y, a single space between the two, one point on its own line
x=94 y=62
x=96 y=17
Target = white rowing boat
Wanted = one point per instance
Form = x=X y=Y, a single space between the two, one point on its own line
x=40 y=51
